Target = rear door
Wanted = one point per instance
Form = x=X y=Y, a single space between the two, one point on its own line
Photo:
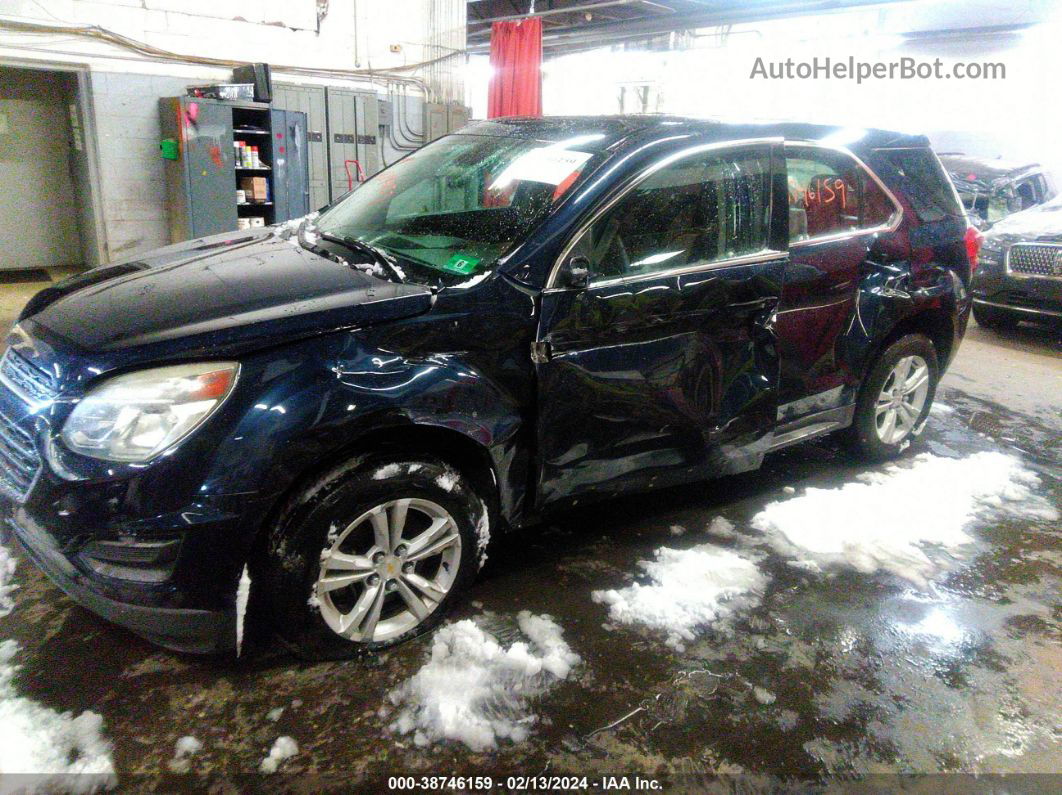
x=836 y=211
x=664 y=369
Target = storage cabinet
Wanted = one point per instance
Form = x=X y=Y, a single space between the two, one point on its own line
x=204 y=172
x=291 y=183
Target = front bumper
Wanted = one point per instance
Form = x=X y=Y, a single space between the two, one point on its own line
x=1032 y=297
x=180 y=629
x=1031 y=312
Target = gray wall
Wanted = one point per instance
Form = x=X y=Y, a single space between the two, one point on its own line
x=133 y=191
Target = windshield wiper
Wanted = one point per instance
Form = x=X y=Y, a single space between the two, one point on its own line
x=377 y=255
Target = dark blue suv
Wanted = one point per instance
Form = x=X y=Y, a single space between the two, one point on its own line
x=341 y=412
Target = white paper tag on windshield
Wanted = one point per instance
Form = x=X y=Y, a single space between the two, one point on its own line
x=546 y=164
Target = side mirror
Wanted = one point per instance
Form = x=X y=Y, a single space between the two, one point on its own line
x=575 y=274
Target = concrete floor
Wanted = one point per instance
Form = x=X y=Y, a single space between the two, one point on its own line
x=856 y=691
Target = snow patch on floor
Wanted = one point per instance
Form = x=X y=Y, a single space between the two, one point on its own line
x=721 y=527
x=7 y=571
x=474 y=690
x=51 y=746
x=186 y=748
x=677 y=529
x=688 y=589
x=911 y=521
x=243 y=593
x=283 y=748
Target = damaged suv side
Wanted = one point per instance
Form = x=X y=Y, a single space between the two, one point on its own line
x=526 y=314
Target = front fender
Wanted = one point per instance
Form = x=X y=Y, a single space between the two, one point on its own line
x=318 y=400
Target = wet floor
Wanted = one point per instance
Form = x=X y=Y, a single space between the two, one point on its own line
x=828 y=676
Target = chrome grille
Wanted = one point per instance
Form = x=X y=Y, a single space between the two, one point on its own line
x=19 y=462
x=1035 y=259
x=26 y=380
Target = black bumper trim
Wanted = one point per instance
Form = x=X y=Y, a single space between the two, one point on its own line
x=1013 y=308
x=183 y=630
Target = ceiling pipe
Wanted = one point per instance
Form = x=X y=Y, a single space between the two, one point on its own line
x=606 y=32
x=553 y=11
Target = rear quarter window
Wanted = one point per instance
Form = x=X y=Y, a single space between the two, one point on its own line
x=919 y=175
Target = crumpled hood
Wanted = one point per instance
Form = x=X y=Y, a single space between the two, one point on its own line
x=1040 y=223
x=216 y=296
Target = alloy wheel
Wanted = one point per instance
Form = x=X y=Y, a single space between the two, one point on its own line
x=388 y=570
x=901 y=400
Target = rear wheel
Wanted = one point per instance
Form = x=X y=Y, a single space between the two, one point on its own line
x=895 y=398
x=372 y=556
x=993 y=317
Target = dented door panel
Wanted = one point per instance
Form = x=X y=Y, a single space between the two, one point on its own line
x=657 y=381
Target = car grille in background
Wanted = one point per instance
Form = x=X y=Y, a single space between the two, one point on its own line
x=1035 y=259
x=19 y=460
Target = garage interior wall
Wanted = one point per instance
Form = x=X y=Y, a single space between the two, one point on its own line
x=123 y=87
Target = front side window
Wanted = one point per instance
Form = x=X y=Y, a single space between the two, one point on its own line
x=704 y=208
x=1028 y=195
x=450 y=210
x=830 y=193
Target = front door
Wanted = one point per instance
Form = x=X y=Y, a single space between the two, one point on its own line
x=663 y=369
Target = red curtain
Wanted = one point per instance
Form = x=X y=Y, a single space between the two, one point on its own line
x=516 y=69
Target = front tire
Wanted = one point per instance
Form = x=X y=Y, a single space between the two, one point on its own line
x=895 y=398
x=375 y=553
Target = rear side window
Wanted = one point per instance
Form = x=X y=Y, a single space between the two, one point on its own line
x=924 y=182
x=830 y=193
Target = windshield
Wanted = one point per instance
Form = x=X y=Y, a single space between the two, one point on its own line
x=451 y=209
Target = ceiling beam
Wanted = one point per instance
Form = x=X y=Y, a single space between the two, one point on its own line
x=551 y=12
x=635 y=27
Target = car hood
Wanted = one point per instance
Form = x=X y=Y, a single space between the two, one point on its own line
x=219 y=295
x=1040 y=223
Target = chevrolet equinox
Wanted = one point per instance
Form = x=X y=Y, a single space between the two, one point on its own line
x=529 y=313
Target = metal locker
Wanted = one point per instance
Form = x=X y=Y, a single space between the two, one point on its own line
x=353 y=137
x=298 y=174
x=369 y=132
x=291 y=194
x=311 y=101
x=280 y=163
x=200 y=187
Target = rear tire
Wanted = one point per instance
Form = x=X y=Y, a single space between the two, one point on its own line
x=895 y=398
x=992 y=317
x=376 y=552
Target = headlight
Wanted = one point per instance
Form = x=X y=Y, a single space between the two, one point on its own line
x=134 y=417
